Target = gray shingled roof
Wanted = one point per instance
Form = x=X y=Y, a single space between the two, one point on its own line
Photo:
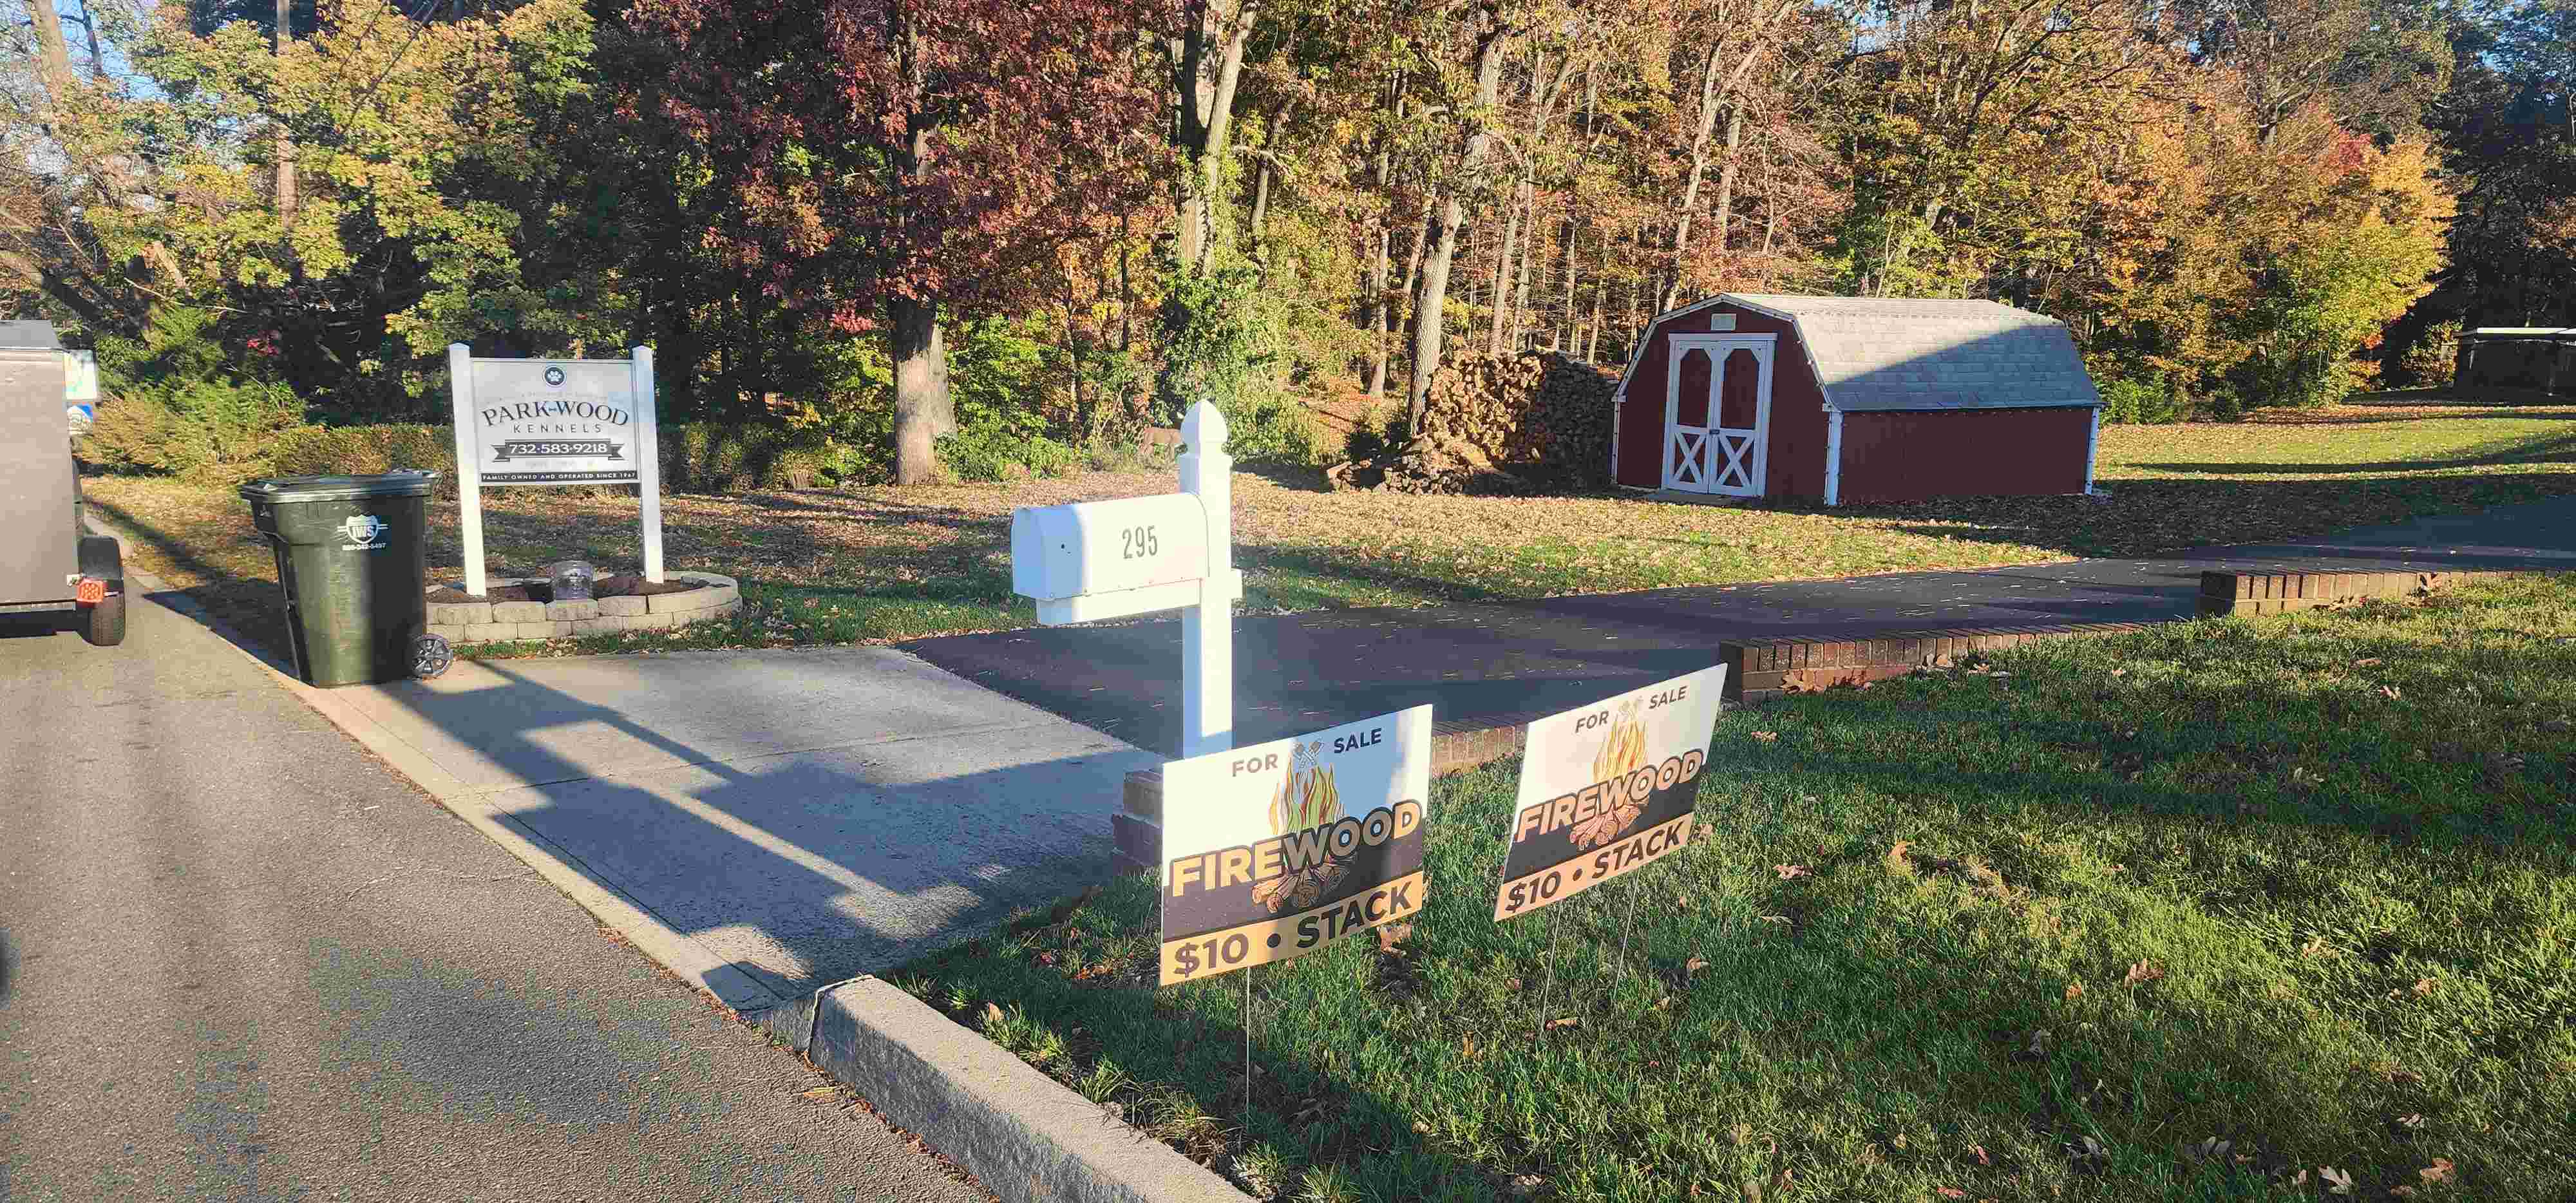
x=1879 y=353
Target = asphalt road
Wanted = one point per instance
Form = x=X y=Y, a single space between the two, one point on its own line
x=1497 y=662
x=244 y=960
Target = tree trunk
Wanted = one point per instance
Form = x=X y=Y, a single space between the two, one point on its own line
x=1207 y=60
x=922 y=409
x=1698 y=170
x=1260 y=203
x=1503 y=273
x=1427 y=325
x=1520 y=302
x=1411 y=290
x=1573 y=233
x=1724 y=222
x=1380 y=307
x=54 y=55
x=1377 y=313
x=285 y=146
x=1592 y=333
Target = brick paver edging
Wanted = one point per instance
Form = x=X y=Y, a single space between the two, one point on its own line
x=2223 y=593
x=486 y=622
x=1767 y=669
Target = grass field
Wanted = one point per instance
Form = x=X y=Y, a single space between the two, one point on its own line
x=2237 y=909
x=882 y=564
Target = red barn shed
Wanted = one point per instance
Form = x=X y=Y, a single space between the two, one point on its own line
x=1837 y=399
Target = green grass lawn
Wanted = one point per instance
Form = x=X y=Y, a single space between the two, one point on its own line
x=884 y=564
x=2201 y=913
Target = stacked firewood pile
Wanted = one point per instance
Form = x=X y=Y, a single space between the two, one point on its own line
x=1518 y=424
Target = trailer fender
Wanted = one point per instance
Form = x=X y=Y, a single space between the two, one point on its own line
x=101 y=559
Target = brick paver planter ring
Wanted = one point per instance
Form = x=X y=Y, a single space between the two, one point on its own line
x=487 y=622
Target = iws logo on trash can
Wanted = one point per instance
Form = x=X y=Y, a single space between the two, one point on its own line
x=362 y=532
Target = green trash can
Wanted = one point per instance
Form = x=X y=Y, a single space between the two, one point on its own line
x=351 y=560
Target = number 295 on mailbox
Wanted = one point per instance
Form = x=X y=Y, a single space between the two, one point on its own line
x=1110 y=559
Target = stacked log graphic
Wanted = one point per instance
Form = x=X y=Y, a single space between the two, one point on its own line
x=1516 y=424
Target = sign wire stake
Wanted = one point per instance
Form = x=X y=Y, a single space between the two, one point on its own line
x=1247 y=1054
x=1548 y=982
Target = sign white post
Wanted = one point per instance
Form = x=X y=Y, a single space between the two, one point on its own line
x=1136 y=555
x=648 y=461
x=469 y=483
x=554 y=422
x=1207 y=629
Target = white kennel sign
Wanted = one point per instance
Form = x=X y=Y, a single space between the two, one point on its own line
x=554 y=422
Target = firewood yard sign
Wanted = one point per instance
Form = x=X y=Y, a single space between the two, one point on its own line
x=1273 y=851
x=1607 y=789
x=554 y=422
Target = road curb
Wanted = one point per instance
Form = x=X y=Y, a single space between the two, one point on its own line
x=1021 y=1133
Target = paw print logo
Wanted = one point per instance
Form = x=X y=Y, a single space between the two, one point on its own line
x=554 y=375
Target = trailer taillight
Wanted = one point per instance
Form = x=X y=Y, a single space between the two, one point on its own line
x=89 y=592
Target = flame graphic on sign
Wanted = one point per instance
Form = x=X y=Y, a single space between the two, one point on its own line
x=1622 y=751
x=1308 y=799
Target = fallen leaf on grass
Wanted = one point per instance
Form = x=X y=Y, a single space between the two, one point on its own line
x=1391 y=935
x=2423 y=986
x=1565 y=1021
x=1792 y=872
x=1467 y=1047
x=1896 y=856
x=1665 y=1003
x=1952 y=1192
x=2338 y=1182
x=2438 y=1172
x=1980 y=1151
x=2119 y=672
x=2391 y=692
x=2410 y=1122
x=2141 y=972
x=2074 y=990
x=1775 y=918
x=2366 y=662
x=1526 y=1184
x=992 y=1014
x=1768 y=737
x=1693 y=966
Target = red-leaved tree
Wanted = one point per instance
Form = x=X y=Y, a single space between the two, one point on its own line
x=893 y=161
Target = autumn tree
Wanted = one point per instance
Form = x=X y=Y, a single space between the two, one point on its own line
x=894 y=162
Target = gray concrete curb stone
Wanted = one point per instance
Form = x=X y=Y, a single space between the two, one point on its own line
x=1021 y=1133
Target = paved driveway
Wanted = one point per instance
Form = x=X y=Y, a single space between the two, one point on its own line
x=1298 y=672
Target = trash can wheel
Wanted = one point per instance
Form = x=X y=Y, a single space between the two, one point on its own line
x=431 y=656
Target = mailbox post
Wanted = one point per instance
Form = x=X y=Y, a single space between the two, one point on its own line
x=1207 y=629
x=1136 y=555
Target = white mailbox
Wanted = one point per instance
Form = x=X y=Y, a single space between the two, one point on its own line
x=1136 y=555
x=1110 y=559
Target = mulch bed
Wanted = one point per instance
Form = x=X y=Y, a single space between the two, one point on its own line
x=623 y=585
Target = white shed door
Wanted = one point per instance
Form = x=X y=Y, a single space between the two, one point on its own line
x=1717 y=413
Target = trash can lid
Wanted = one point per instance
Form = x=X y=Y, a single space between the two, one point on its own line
x=406 y=482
